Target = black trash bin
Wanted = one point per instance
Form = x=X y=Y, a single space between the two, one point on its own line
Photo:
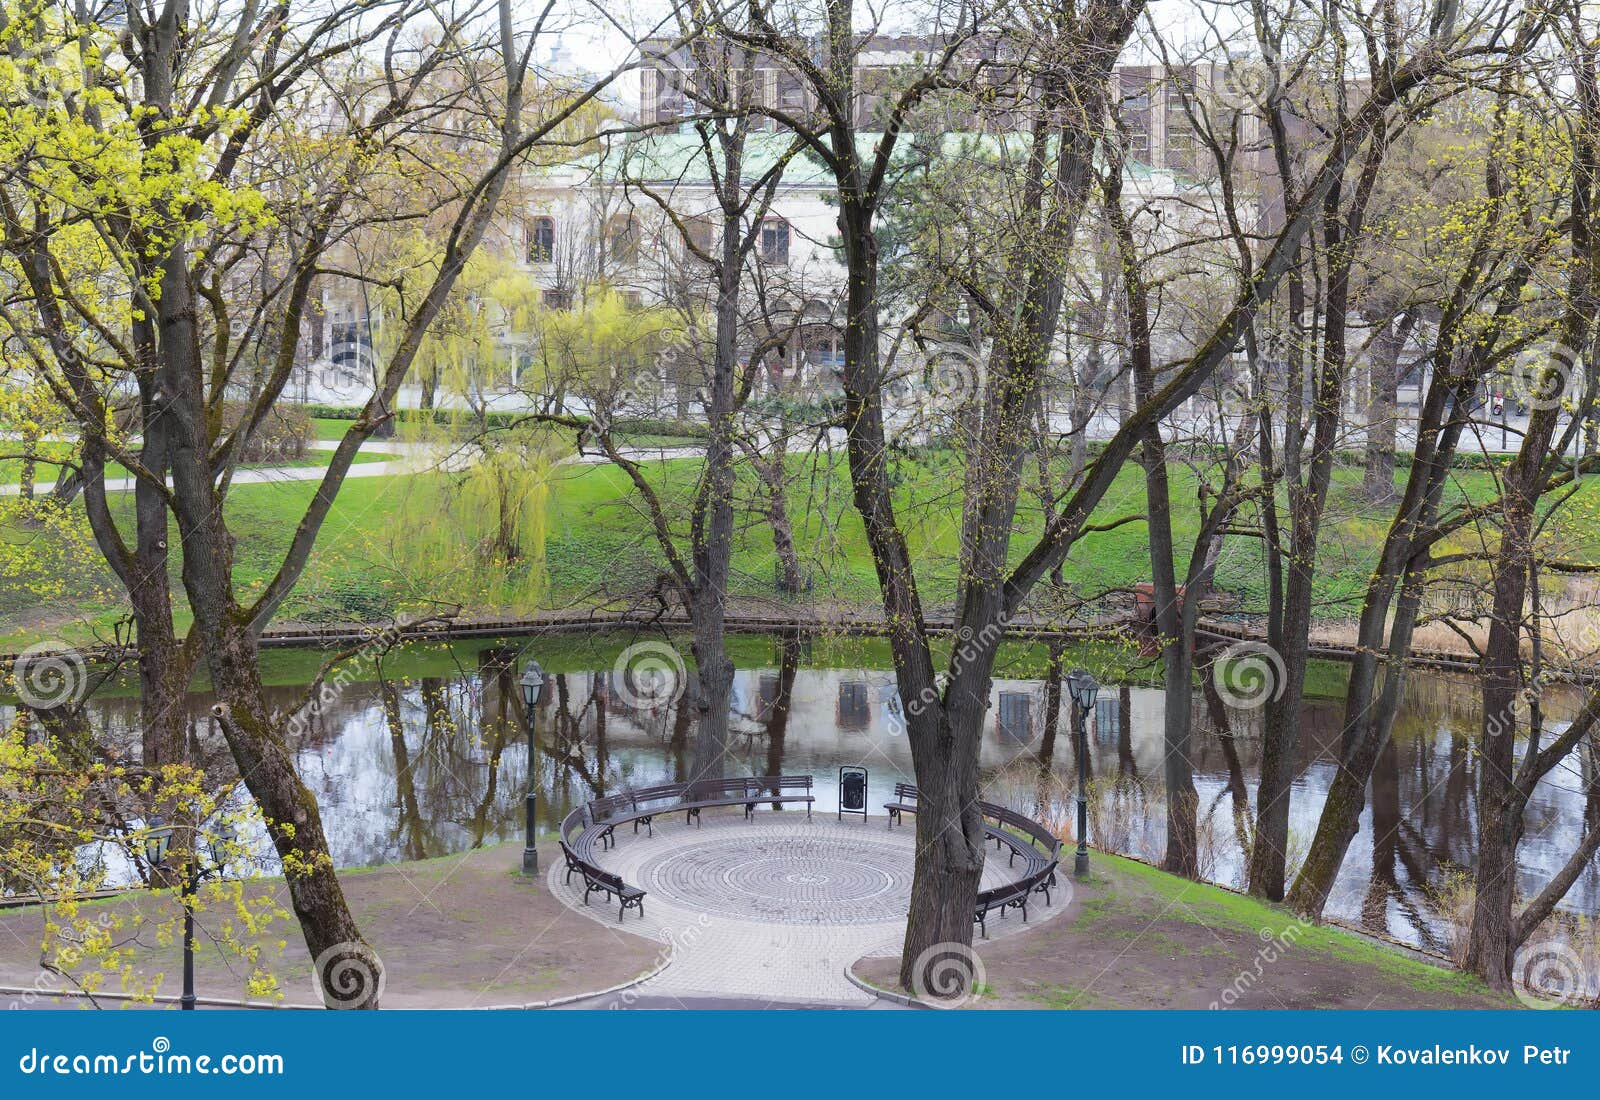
x=852 y=791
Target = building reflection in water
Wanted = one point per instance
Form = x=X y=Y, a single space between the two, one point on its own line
x=412 y=767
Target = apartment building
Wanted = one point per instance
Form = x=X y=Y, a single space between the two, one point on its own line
x=1154 y=103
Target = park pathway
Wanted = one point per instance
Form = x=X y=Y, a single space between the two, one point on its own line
x=771 y=911
x=409 y=458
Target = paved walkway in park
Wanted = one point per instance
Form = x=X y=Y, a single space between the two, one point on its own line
x=770 y=911
x=259 y=474
x=409 y=458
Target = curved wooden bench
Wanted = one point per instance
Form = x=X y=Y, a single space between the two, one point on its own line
x=1013 y=895
x=574 y=832
x=598 y=821
x=640 y=806
x=776 y=789
x=905 y=802
x=1009 y=829
x=1023 y=836
x=598 y=880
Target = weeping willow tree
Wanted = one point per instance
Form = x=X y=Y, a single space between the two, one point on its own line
x=469 y=525
x=479 y=527
x=610 y=355
x=472 y=523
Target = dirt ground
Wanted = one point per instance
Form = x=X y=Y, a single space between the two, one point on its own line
x=464 y=931
x=1134 y=937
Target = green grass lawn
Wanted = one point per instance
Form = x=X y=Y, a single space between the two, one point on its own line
x=596 y=543
x=1134 y=937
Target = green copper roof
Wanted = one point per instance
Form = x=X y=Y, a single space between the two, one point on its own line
x=679 y=157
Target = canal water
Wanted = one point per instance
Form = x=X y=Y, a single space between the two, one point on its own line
x=425 y=753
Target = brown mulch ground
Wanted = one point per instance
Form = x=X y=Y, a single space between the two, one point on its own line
x=1134 y=937
x=463 y=931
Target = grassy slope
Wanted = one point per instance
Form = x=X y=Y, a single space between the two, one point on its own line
x=597 y=541
x=1137 y=937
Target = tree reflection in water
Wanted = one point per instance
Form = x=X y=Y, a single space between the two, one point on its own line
x=407 y=767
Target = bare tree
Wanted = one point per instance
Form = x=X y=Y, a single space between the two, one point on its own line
x=246 y=86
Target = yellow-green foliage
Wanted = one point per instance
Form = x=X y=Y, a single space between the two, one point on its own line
x=480 y=530
x=60 y=828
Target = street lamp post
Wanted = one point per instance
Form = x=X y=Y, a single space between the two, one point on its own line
x=532 y=692
x=157 y=846
x=1083 y=688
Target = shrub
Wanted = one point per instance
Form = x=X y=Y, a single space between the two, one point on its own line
x=283 y=435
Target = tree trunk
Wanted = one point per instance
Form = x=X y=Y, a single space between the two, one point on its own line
x=1382 y=409
x=782 y=703
x=1280 y=748
x=30 y=464
x=1383 y=641
x=935 y=958
x=1052 y=706
x=350 y=972
x=711 y=525
x=773 y=471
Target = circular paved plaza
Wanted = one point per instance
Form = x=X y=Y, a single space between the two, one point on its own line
x=777 y=907
x=787 y=879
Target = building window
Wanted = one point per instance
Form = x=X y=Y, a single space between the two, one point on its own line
x=542 y=240
x=557 y=298
x=702 y=237
x=632 y=301
x=1016 y=716
x=775 y=241
x=766 y=696
x=1107 y=720
x=623 y=239
x=854 y=711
